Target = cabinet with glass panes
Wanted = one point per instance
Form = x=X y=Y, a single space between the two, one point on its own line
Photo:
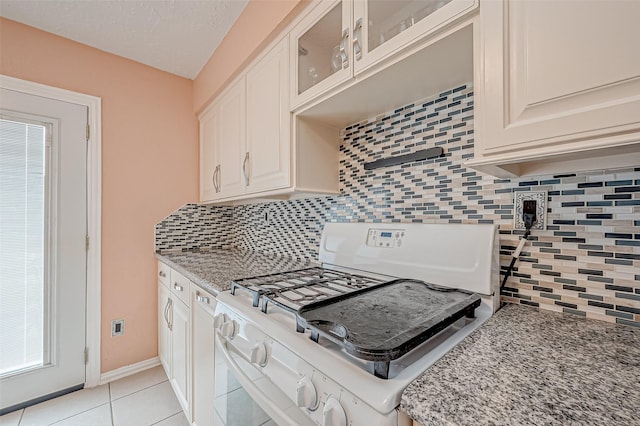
x=339 y=39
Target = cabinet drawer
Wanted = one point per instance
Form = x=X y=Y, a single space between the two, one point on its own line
x=164 y=273
x=202 y=299
x=180 y=286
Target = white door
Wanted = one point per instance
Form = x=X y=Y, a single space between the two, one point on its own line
x=43 y=228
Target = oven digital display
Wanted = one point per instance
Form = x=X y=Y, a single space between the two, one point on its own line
x=386 y=234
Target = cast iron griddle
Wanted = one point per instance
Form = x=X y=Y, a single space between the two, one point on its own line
x=384 y=322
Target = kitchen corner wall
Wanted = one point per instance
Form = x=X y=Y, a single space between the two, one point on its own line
x=149 y=148
x=586 y=263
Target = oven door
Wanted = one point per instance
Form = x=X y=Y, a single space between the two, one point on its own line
x=244 y=395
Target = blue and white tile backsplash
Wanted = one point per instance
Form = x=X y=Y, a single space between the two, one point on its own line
x=586 y=263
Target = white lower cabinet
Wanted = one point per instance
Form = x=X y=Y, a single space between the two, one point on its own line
x=203 y=306
x=164 y=332
x=185 y=343
x=181 y=353
x=174 y=334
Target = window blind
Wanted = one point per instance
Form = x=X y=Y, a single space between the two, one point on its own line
x=22 y=244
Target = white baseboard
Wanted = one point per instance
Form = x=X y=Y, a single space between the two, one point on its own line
x=128 y=370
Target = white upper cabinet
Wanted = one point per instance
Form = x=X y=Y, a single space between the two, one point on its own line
x=209 y=160
x=246 y=145
x=321 y=50
x=382 y=28
x=337 y=40
x=267 y=161
x=557 y=87
x=222 y=143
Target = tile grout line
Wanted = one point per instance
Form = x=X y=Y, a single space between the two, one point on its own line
x=21 y=416
x=139 y=390
x=77 y=414
x=162 y=420
x=110 y=405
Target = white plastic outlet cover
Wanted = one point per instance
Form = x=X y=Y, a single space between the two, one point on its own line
x=117 y=327
x=541 y=209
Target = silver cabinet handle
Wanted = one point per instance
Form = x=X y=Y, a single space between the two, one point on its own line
x=244 y=169
x=203 y=299
x=171 y=316
x=166 y=312
x=167 y=309
x=162 y=274
x=343 y=48
x=357 y=34
x=216 y=178
x=178 y=287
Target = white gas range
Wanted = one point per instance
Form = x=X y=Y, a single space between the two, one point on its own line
x=338 y=344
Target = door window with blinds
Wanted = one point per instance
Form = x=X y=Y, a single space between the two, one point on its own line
x=25 y=215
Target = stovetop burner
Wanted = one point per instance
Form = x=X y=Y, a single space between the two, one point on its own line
x=295 y=289
x=372 y=319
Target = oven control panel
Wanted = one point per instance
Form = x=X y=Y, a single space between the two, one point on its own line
x=385 y=238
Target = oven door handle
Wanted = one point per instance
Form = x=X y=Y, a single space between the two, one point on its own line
x=269 y=407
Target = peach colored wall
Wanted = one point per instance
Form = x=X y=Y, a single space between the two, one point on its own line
x=257 y=25
x=149 y=167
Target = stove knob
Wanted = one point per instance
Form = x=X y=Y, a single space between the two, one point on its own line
x=259 y=354
x=218 y=320
x=229 y=329
x=333 y=413
x=306 y=394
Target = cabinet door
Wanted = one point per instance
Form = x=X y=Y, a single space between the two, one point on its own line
x=203 y=357
x=164 y=334
x=320 y=50
x=382 y=27
x=268 y=121
x=230 y=141
x=558 y=76
x=209 y=160
x=180 y=353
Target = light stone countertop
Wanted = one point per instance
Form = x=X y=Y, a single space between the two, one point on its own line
x=214 y=269
x=530 y=367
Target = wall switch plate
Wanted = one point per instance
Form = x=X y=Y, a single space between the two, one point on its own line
x=117 y=327
x=541 y=209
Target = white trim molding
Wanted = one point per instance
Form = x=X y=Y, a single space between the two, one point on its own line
x=94 y=209
x=128 y=370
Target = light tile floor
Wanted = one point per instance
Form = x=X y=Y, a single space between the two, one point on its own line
x=143 y=399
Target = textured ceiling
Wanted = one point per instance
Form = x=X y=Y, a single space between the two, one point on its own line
x=177 y=36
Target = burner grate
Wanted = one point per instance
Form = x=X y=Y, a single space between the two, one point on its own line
x=295 y=289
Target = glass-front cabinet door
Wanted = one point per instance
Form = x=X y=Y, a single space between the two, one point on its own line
x=321 y=50
x=382 y=27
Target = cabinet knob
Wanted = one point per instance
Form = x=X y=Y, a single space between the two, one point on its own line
x=203 y=299
x=178 y=287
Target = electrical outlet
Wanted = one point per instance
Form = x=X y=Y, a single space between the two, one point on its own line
x=541 y=209
x=117 y=327
x=268 y=216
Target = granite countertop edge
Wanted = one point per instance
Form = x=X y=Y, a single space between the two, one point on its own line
x=214 y=269
x=526 y=366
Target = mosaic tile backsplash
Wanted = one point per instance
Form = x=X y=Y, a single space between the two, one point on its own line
x=586 y=263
